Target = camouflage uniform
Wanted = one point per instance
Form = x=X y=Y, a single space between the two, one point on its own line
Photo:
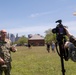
x=5 y=54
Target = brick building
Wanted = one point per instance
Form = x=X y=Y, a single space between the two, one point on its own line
x=36 y=40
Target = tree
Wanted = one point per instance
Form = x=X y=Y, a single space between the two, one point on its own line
x=49 y=37
x=22 y=40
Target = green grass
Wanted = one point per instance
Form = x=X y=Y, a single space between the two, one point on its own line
x=37 y=61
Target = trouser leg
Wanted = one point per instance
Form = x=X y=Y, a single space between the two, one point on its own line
x=7 y=72
x=8 y=69
x=1 y=72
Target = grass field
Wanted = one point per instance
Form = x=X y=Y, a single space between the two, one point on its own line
x=37 y=61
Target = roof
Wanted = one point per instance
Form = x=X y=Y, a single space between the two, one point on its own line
x=36 y=37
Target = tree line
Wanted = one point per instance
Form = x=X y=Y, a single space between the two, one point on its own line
x=49 y=37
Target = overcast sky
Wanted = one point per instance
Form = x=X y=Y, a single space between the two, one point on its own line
x=36 y=16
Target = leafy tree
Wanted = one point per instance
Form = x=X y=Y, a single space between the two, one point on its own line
x=49 y=36
x=22 y=40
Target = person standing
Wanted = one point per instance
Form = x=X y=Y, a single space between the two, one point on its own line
x=53 y=46
x=5 y=53
x=48 y=47
x=29 y=45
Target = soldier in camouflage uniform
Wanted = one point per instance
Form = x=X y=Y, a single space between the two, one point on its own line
x=5 y=53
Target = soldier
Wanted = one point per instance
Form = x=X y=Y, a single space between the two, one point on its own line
x=53 y=46
x=48 y=47
x=5 y=53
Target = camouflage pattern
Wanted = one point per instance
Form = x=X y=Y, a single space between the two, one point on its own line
x=5 y=54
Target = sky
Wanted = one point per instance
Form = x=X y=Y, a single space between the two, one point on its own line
x=36 y=16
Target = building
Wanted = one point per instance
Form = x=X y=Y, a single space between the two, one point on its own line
x=12 y=38
x=17 y=37
x=36 y=40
